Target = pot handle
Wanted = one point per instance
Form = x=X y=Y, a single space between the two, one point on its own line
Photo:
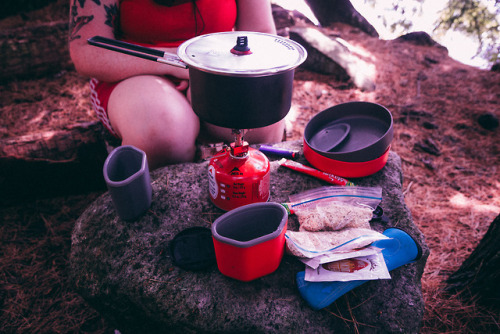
x=137 y=51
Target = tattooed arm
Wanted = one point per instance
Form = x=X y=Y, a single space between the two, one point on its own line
x=100 y=17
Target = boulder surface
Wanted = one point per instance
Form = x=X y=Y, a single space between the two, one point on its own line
x=125 y=270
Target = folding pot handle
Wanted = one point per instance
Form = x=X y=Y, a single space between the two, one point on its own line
x=137 y=51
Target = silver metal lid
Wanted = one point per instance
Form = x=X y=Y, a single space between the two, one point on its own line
x=270 y=54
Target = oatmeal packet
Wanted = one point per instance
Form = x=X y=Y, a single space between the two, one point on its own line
x=333 y=216
x=334 y=208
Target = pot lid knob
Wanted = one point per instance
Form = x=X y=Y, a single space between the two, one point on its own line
x=241 y=47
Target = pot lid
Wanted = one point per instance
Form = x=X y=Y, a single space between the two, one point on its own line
x=242 y=53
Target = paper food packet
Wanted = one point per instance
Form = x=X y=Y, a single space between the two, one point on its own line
x=337 y=256
x=370 y=267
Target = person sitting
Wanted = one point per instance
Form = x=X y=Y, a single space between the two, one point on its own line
x=147 y=104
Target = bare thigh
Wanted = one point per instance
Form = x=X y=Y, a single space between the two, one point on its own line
x=149 y=113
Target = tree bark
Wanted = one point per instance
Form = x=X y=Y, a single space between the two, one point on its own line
x=51 y=146
x=52 y=163
x=330 y=11
x=479 y=276
x=34 y=51
x=11 y=7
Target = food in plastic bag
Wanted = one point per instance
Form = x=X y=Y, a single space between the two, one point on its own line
x=361 y=268
x=334 y=208
x=312 y=244
x=333 y=216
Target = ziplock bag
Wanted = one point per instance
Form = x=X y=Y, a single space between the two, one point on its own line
x=312 y=244
x=334 y=208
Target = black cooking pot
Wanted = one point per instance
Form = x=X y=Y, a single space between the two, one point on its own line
x=239 y=80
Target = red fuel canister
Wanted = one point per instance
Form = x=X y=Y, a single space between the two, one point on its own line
x=237 y=176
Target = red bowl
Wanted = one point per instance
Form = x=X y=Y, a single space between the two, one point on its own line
x=370 y=131
x=342 y=168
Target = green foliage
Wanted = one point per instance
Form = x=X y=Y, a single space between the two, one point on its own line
x=400 y=19
x=476 y=18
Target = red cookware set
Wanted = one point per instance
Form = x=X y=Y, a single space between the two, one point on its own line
x=350 y=139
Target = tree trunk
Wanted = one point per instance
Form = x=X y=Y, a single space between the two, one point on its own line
x=330 y=11
x=11 y=7
x=52 y=146
x=34 y=51
x=52 y=163
x=479 y=276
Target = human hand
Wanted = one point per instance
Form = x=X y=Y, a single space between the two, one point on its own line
x=182 y=85
x=179 y=75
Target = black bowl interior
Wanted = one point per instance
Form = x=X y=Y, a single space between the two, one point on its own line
x=370 y=131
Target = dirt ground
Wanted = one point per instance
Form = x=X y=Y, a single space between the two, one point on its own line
x=450 y=163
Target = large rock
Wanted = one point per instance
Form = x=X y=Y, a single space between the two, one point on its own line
x=125 y=271
x=331 y=11
x=334 y=56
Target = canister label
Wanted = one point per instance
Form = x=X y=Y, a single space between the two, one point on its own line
x=234 y=182
x=212 y=182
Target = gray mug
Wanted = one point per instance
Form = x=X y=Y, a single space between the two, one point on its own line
x=126 y=173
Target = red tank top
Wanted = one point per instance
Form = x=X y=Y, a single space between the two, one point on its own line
x=147 y=23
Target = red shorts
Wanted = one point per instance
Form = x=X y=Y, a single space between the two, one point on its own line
x=99 y=97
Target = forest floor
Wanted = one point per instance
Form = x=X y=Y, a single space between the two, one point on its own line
x=450 y=164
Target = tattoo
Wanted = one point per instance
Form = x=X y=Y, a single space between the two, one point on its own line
x=78 y=22
x=112 y=17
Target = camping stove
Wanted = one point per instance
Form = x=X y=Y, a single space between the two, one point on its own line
x=238 y=175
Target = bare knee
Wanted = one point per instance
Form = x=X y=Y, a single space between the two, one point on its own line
x=150 y=114
x=164 y=144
